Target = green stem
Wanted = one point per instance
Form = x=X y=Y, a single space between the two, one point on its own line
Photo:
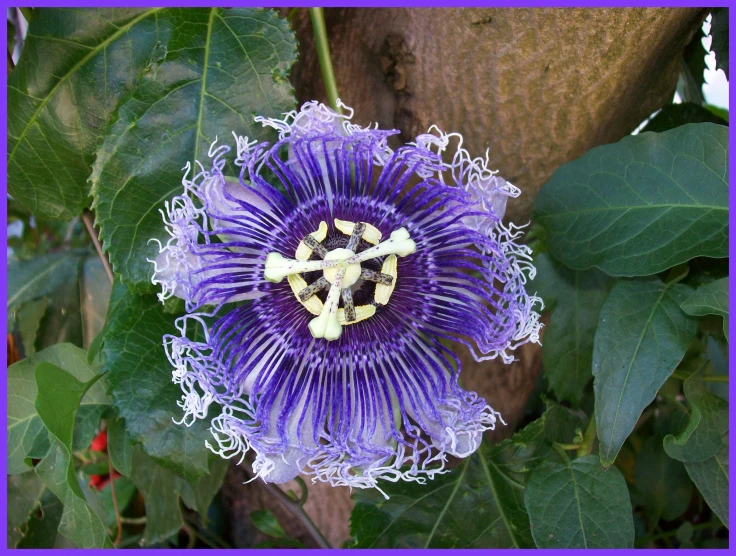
x=569 y=447
x=588 y=438
x=133 y=520
x=323 y=54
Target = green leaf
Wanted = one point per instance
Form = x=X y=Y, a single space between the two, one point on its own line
x=710 y=299
x=579 y=505
x=25 y=428
x=24 y=494
x=719 y=32
x=41 y=531
x=28 y=319
x=266 y=522
x=711 y=478
x=701 y=438
x=480 y=504
x=75 y=66
x=39 y=277
x=642 y=336
x=59 y=396
x=161 y=490
x=642 y=205
x=119 y=447
x=661 y=481
x=139 y=378
x=675 y=115
x=567 y=352
x=222 y=67
x=198 y=495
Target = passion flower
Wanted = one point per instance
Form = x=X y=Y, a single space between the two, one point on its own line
x=329 y=283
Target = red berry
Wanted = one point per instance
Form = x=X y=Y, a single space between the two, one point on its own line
x=99 y=444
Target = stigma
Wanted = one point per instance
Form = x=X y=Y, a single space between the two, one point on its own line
x=364 y=266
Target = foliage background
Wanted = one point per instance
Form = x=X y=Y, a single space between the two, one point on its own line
x=622 y=439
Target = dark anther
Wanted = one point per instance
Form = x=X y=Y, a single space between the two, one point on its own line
x=315 y=246
x=355 y=236
x=375 y=276
x=347 y=302
x=313 y=288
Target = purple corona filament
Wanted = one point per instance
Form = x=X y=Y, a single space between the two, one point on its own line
x=326 y=282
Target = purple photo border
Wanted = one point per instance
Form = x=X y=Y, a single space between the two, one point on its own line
x=331 y=3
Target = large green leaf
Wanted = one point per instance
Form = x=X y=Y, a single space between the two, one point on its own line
x=75 y=66
x=642 y=335
x=579 y=505
x=577 y=297
x=59 y=396
x=711 y=478
x=25 y=428
x=642 y=205
x=478 y=505
x=701 y=438
x=710 y=299
x=661 y=481
x=222 y=67
x=139 y=379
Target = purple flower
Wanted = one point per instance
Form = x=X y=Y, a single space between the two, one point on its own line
x=349 y=268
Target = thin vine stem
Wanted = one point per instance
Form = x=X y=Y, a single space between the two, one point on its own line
x=87 y=219
x=323 y=55
x=115 y=504
x=295 y=507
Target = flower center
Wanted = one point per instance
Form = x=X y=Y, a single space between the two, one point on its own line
x=342 y=274
x=351 y=271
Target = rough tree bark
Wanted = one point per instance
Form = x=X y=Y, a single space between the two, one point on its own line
x=538 y=87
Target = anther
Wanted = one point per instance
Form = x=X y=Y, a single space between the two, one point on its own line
x=347 y=303
x=315 y=246
x=375 y=276
x=313 y=288
x=355 y=237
